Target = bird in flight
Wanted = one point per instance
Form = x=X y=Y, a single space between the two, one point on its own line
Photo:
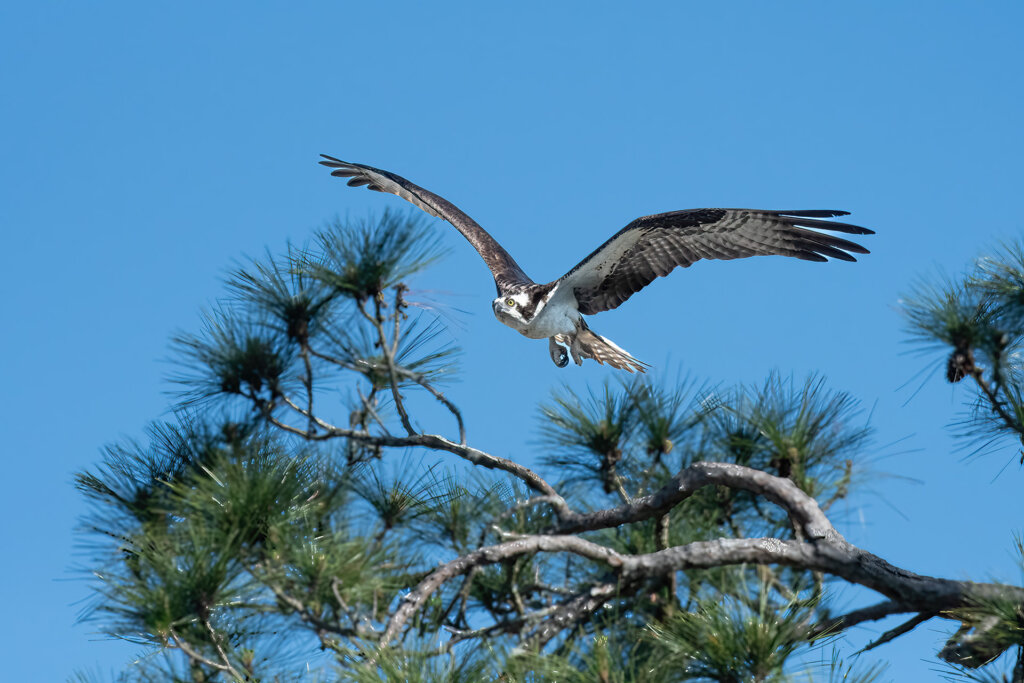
x=648 y=248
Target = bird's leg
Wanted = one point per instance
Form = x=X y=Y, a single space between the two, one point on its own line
x=558 y=354
x=578 y=350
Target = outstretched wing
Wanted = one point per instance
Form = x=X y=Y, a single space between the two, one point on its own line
x=503 y=267
x=652 y=246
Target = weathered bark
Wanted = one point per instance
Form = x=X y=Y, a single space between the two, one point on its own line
x=819 y=547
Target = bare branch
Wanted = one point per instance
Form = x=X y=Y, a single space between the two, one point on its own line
x=873 y=613
x=572 y=611
x=439 y=443
x=368 y=402
x=802 y=509
x=416 y=377
x=462 y=595
x=307 y=414
x=215 y=637
x=994 y=401
x=513 y=509
x=307 y=381
x=837 y=558
x=307 y=615
x=490 y=555
x=194 y=655
x=420 y=380
x=386 y=350
x=905 y=627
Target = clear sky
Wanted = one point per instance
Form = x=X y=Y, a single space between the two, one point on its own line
x=147 y=146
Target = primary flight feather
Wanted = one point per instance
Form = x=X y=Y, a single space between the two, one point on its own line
x=648 y=248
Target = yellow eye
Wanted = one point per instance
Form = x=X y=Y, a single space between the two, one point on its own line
x=510 y=303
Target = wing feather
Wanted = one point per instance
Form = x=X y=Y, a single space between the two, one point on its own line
x=503 y=267
x=653 y=246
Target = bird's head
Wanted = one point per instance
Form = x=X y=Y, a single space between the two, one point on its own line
x=511 y=309
x=520 y=306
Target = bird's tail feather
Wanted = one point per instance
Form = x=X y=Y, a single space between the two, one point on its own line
x=587 y=344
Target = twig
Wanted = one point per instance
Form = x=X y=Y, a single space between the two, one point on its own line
x=368 y=407
x=416 y=377
x=905 y=627
x=220 y=650
x=459 y=635
x=386 y=350
x=571 y=611
x=348 y=365
x=858 y=616
x=335 y=584
x=307 y=414
x=521 y=505
x=993 y=399
x=661 y=532
x=308 y=382
x=439 y=443
x=462 y=594
x=420 y=380
x=183 y=645
x=670 y=580
x=305 y=614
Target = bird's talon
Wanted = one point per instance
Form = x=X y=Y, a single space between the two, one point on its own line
x=558 y=353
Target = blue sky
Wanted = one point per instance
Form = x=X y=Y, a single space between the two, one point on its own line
x=147 y=147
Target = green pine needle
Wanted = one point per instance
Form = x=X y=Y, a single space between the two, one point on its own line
x=362 y=260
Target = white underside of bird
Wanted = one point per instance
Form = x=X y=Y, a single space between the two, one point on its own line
x=557 y=318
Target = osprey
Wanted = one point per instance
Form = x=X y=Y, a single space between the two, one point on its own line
x=647 y=248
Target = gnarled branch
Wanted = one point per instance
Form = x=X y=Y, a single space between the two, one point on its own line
x=820 y=549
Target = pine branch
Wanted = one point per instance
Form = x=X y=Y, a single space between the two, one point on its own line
x=194 y=655
x=388 y=351
x=491 y=555
x=820 y=549
x=1010 y=421
x=437 y=443
x=802 y=508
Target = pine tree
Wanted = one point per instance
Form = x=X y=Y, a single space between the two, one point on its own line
x=293 y=522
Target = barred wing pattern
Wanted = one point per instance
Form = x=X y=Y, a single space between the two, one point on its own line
x=503 y=267
x=652 y=246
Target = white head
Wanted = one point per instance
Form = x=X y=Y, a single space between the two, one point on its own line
x=511 y=309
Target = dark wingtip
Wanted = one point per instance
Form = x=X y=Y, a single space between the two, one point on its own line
x=330 y=161
x=811 y=219
x=850 y=258
x=815 y=213
x=854 y=229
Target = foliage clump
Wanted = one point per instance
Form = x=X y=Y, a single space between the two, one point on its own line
x=977 y=320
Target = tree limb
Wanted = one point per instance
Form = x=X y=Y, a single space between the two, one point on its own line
x=802 y=508
x=490 y=555
x=873 y=613
x=836 y=557
x=572 y=611
x=438 y=443
x=905 y=627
